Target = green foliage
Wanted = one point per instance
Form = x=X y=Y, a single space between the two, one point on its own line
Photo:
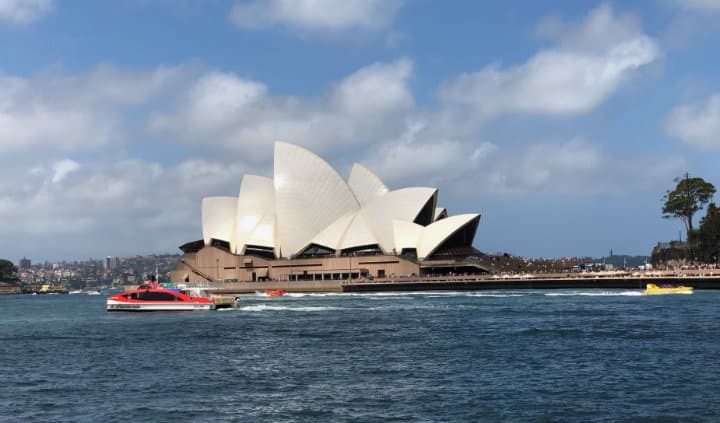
x=8 y=271
x=708 y=235
x=674 y=251
x=689 y=196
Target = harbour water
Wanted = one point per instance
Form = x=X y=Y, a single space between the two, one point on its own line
x=518 y=356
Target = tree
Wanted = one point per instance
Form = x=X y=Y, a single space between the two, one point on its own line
x=708 y=234
x=8 y=271
x=689 y=196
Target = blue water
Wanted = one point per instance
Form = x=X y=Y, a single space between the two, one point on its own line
x=511 y=356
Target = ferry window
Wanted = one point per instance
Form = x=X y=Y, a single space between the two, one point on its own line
x=156 y=296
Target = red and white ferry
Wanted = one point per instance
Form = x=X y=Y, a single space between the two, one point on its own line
x=150 y=296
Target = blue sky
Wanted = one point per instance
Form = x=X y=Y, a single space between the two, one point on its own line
x=562 y=123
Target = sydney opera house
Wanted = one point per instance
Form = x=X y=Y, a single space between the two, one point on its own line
x=307 y=223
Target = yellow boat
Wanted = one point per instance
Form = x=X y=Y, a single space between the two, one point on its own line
x=652 y=289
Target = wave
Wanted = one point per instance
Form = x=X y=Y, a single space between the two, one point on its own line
x=398 y=294
x=595 y=294
x=495 y=295
x=381 y=295
x=265 y=307
x=314 y=294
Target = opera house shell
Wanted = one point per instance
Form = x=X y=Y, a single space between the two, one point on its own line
x=308 y=223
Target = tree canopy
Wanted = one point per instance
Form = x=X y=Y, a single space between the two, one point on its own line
x=708 y=235
x=689 y=196
x=8 y=271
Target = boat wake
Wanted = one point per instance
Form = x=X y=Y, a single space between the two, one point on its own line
x=474 y=294
x=265 y=307
x=595 y=294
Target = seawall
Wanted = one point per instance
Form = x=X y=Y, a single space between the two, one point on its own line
x=468 y=283
x=536 y=283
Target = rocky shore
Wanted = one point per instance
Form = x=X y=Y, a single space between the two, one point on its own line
x=8 y=289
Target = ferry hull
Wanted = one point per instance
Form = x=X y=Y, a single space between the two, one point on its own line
x=113 y=305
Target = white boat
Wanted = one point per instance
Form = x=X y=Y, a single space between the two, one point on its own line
x=80 y=291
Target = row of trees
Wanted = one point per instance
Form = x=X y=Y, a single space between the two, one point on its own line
x=689 y=197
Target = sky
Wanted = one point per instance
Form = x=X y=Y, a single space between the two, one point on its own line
x=563 y=123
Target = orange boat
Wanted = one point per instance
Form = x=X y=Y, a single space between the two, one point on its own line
x=275 y=292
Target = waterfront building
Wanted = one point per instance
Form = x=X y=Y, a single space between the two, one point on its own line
x=308 y=223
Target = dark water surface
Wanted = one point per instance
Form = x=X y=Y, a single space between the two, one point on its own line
x=518 y=356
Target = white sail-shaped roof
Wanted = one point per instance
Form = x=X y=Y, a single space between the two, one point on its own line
x=358 y=234
x=426 y=239
x=407 y=235
x=349 y=231
x=434 y=234
x=263 y=235
x=365 y=184
x=307 y=202
x=333 y=234
x=403 y=204
x=309 y=196
x=440 y=213
x=255 y=204
x=218 y=218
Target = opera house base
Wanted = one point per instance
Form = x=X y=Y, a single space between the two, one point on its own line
x=213 y=264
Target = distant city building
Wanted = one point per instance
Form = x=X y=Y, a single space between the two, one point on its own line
x=24 y=263
x=110 y=263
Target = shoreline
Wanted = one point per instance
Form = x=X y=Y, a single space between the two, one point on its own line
x=698 y=279
x=460 y=283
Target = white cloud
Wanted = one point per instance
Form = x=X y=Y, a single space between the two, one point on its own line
x=588 y=65
x=464 y=169
x=551 y=167
x=114 y=207
x=576 y=167
x=241 y=115
x=63 y=168
x=22 y=12
x=66 y=112
x=418 y=155
x=696 y=124
x=316 y=15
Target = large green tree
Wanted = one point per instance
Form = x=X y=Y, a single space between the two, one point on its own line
x=689 y=196
x=8 y=271
x=708 y=235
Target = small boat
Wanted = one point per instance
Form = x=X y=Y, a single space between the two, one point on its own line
x=653 y=289
x=275 y=292
x=150 y=296
x=81 y=292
